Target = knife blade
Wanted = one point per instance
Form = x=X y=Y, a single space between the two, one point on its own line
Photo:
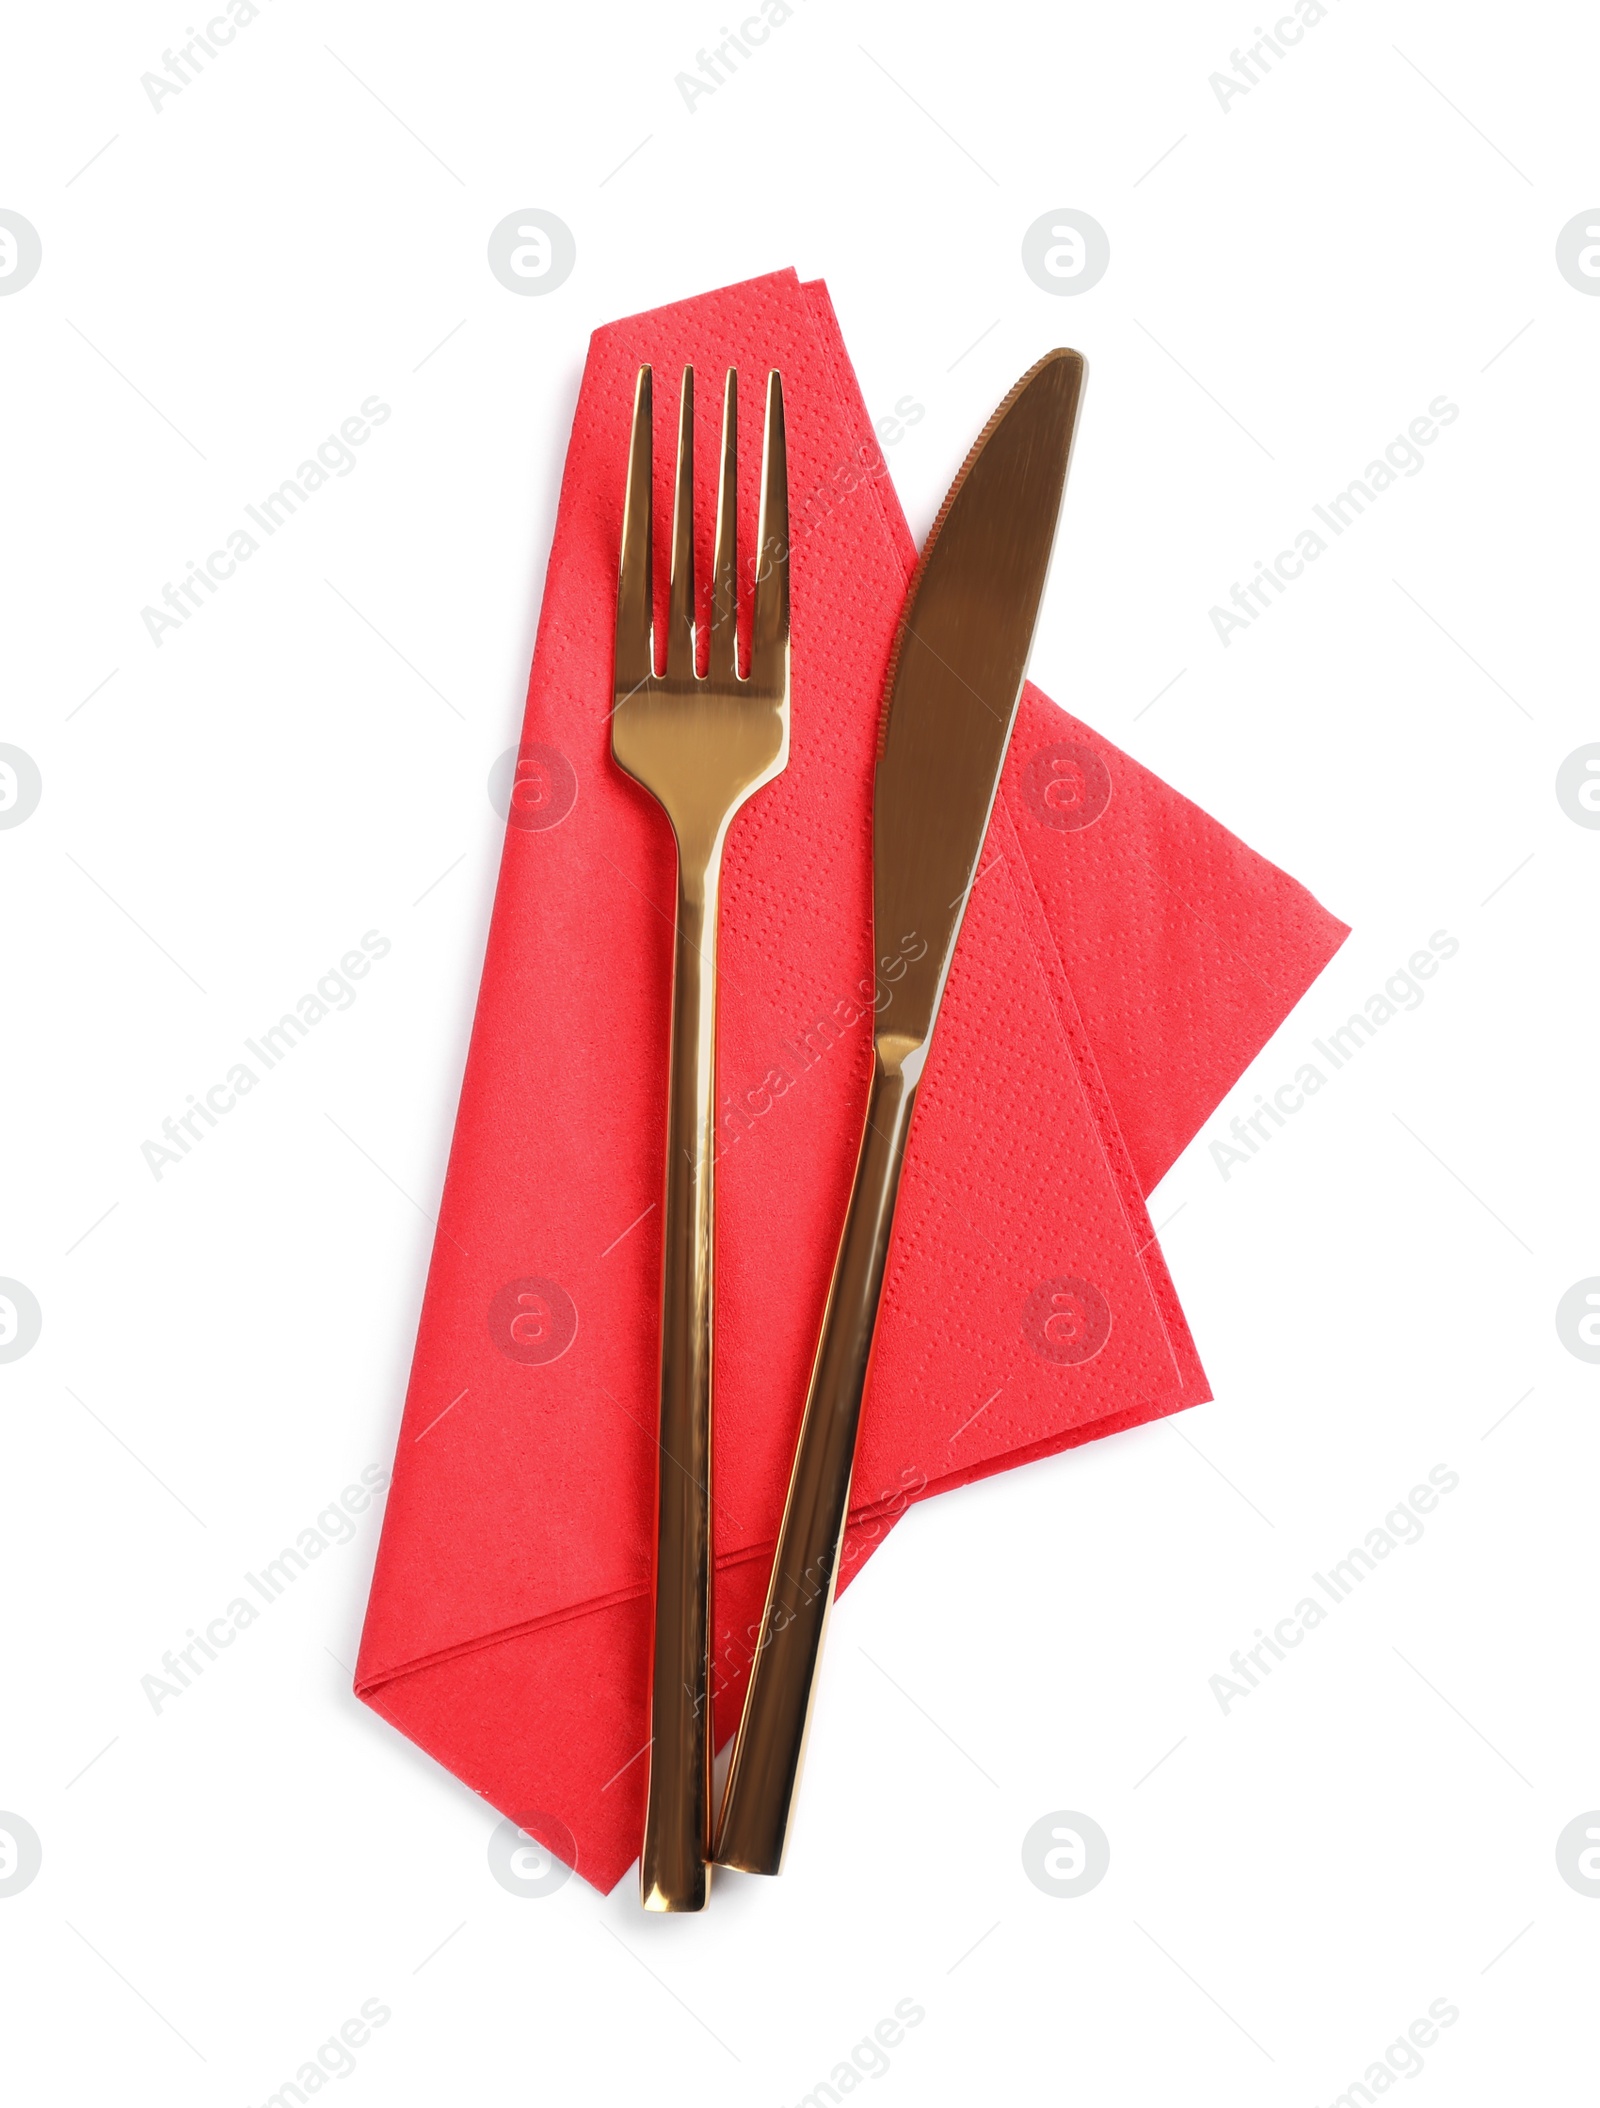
x=951 y=692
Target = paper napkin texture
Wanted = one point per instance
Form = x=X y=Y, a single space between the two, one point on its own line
x=1122 y=959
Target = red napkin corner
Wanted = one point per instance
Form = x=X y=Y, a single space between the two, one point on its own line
x=1122 y=960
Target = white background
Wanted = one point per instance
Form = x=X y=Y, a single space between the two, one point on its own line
x=1291 y=282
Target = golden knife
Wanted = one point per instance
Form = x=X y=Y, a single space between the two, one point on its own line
x=954 y=681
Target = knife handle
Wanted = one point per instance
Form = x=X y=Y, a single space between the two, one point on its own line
x=674 y=1873
x=764 y=1776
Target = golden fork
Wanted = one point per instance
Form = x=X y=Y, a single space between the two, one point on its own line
x=700 y=744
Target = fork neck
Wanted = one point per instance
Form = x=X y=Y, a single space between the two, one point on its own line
x=700 y=844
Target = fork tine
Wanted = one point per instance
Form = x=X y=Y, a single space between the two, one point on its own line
x=635 y=586
x=769 y=638
x=724 y=659
x=680 y=616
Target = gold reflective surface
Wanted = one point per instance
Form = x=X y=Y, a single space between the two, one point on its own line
x=701 y=745
x=954 y=681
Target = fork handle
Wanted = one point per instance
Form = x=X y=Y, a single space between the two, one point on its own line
x=764 y=1777
x=674 y=1869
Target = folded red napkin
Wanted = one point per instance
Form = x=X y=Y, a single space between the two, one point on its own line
x=1123 y=957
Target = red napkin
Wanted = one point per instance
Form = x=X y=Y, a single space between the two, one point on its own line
x=1123 y=958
